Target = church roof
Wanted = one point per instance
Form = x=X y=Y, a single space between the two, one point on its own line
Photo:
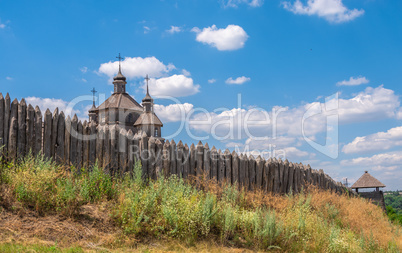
x=122 y=101
x=148 y=118
x=367 y=181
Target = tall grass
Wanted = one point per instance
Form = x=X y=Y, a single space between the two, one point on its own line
x=172 y=208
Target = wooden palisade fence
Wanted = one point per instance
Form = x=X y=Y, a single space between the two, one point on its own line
x=24 y=129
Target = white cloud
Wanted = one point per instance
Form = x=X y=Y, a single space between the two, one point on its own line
x=175 y=86
x=84 y=69
x=375 y=142
x=146 y=29
x=9 y=78
x=385 y=161
x=137 y=67
x=212 y=80
x=353 y=81
x=235 y=3
x=239 y=80
x=173 y=112
x=52 y=104
x=174 y=29
x=185 y=72
x=373 y=104
x=230 y=38
x=84 y=80
x=332 y=10
x=2 y=26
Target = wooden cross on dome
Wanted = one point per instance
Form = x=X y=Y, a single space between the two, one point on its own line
x=93 y=97
x=120 y=58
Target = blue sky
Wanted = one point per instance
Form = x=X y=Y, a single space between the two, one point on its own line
x=282 y=55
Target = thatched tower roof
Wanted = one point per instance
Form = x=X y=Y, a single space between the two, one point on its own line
x=367 y=181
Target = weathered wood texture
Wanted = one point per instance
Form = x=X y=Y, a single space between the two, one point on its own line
x=80 y=145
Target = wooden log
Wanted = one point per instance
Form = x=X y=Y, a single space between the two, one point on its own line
x=85 y=145
x=73 y=144
x=1 y=124
x=79 y=146
x=297 y=181
x=92 y=143
x=173 y=158
x=199 y=158
x=13 y=135
x=214 y=163
x=152 y=158
x=99 y=145
x=242 y=170
x=67 y=140
x=136 y=147
x=186 y=161
x=251 y=169
x=130 y=151
x=159 y=158
x=228 y=166
x=207 y=161
x=166 y=159
x=290 y=188
x=114 y=149
x=38 y=131
x=235 y=168
x=259 y=172
x=30 y=147
x=123 y=157
x=266 y=173
x=55 y=122
x=193 y=160
x=106 y=150
x=281 y=169
x=247 y=173
x=285 y=176
x=6 y=123
x=144 y=154
x=179 y=159
x=221 y=166
x=59 y=147
x=271 y=176
x=47 y=137
x=22 y=127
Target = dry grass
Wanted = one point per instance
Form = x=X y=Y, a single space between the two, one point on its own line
x=240 y=221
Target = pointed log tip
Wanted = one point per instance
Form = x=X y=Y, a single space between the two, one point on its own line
x=143 y=135
x=180 y=144
x=1 y=96
x=37 y=109
x=15 y=101
x=206 y=146
x=172 y=143
x=220 y=151
x=167 y=142
x=75 y=118
x=227 y=152
x=186 y=146
x=56 y=111
x=192 y=145
x=30 y=108
x=199 y=143
x=130 y=132
x=7 y=96
x=213 y=148
x=158 y=142
x=48 y=112
x=22 y=102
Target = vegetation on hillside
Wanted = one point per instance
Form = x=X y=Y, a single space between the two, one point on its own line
x=173 y=209
x=393 y=204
